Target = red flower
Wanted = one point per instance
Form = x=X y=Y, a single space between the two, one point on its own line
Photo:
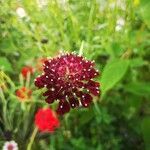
x=46 y=120
x=68 y=78
x=23 y=93
x=25 y=70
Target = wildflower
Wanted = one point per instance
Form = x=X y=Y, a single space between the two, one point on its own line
x=23 y=93
x=68 y=78
x=46 y=120
x=10 y=145
x=21 y=12
x=25 y=70
x=120 y=23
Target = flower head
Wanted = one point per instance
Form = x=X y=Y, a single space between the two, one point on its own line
x=21 y=12
x=46 y=120
x=10 y=145
x=23 y=93
x=69 y=79
x=25 y=70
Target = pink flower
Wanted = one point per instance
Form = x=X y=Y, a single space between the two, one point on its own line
x=10 y=145
x=69 y=79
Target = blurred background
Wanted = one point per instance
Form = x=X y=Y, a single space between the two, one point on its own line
x=114 y=33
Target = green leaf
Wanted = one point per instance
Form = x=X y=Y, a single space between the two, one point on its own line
x=138 y=88
x=145 y=127
x=145 y=12
x=113 y=72
x=5 y=64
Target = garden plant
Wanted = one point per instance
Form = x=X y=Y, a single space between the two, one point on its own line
x=74 y=75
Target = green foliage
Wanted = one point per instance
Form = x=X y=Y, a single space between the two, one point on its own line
x=112 y=73
x=114 y=33
x=5 y=65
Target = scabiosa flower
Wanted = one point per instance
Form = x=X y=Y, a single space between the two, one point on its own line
x=69 y=79
x=25 y=70
x=23 y=93
x=10 y=145
x=46 y=120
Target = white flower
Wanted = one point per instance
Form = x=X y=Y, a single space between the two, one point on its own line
x=119 y=24
x=42 y=3
x=21 y=12
x=10 y=145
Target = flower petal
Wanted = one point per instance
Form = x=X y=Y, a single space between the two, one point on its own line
x=63 y=107
x=73 y=102
x=86 y=100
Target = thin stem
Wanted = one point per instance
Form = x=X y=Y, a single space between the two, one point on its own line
x=32 y=138
x=81 y=48
x=28 y=79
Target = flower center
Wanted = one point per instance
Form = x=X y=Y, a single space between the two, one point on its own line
x=10 y=147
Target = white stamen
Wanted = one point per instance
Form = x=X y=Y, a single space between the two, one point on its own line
x=85 y=104
x=45 y=85
x=52 y=89
x=46 y=66
x=72 y=104
x=61 y=106
x=83 y=96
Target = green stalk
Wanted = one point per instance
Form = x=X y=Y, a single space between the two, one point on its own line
x=32 y=138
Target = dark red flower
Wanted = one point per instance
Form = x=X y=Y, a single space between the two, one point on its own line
x=25 y=70
x=68 y=78
x=46 y=120
x=23 y=93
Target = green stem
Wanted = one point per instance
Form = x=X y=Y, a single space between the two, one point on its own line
x=32 y=138
x=81 y=48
